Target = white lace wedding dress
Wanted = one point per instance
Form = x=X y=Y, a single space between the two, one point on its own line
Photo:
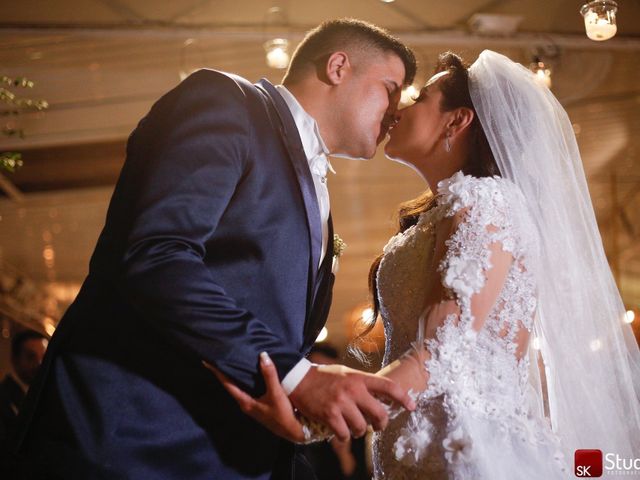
x=476 y=419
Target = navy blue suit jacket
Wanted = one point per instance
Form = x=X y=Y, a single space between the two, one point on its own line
x=210 y=252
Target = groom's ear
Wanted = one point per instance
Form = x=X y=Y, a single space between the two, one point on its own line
x=460 y=120
x=337 y=67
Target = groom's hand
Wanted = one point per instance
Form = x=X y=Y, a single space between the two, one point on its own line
x=345 y=400
x=273 y=409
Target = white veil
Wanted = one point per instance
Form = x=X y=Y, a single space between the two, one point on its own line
x=592 y=361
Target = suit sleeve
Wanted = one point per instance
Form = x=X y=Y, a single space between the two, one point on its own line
x=189 y=156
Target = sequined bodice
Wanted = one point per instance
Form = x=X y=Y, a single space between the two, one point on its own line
x=403 y=282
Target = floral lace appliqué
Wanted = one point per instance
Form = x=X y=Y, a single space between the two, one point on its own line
x=476 y=380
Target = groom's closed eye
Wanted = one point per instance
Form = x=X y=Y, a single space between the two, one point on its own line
x=392 y=87
x=393 y=91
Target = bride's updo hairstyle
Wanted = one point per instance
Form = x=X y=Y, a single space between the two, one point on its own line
x=481 y=163
x=455 y=94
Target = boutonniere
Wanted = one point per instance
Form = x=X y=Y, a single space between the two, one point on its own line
x=338 y=248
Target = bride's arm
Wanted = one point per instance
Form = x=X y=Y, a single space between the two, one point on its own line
x=409 y=370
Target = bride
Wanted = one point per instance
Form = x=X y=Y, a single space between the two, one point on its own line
x=500 y=312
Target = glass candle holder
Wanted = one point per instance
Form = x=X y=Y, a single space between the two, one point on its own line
x=600 y=19
x=277 y=53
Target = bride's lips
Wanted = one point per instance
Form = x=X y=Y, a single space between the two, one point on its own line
x=387 y=126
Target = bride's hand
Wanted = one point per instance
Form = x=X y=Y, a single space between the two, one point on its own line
x=273 y=409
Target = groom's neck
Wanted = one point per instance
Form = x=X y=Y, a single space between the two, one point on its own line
x=315 y=100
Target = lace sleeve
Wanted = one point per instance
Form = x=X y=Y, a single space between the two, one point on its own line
x=475 y=248
x=474 y=252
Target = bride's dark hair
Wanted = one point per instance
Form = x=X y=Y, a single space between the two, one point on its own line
x=481 y=163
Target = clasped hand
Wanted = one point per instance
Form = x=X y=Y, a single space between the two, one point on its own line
x=344 y=399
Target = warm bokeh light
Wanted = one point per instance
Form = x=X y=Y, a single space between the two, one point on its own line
x=629 y=316
x=48 y=253
x=322 y=336
x=367 y=315
x=536 y=343
x=49 y=325
x=277 y=53
x=542 y=72
x=357 y=321
x=49 y=256
x=408 y=94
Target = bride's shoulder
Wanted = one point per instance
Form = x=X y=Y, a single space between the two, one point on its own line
x=462 y=191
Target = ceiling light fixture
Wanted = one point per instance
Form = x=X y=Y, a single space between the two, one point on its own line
x=277 y=52
x=277 y=49
x=494 y=24
x=600 y=19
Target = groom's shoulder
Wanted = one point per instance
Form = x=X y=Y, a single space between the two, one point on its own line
x=221 y=81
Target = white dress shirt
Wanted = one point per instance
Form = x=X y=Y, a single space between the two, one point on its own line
x=316 y=152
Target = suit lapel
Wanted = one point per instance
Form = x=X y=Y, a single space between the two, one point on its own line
x=327 y=264
x=291 y=139
x=322 y=295
x=330 y=251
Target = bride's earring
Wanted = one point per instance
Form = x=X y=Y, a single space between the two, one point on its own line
x=447 y=144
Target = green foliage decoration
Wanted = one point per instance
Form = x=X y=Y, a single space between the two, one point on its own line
x=11 y=105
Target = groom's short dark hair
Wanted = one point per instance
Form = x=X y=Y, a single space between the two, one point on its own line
x=350 y=35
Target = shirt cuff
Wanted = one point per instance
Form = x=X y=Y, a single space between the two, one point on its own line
x=295 y=375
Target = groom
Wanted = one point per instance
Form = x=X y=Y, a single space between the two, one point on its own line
x=217 y=247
